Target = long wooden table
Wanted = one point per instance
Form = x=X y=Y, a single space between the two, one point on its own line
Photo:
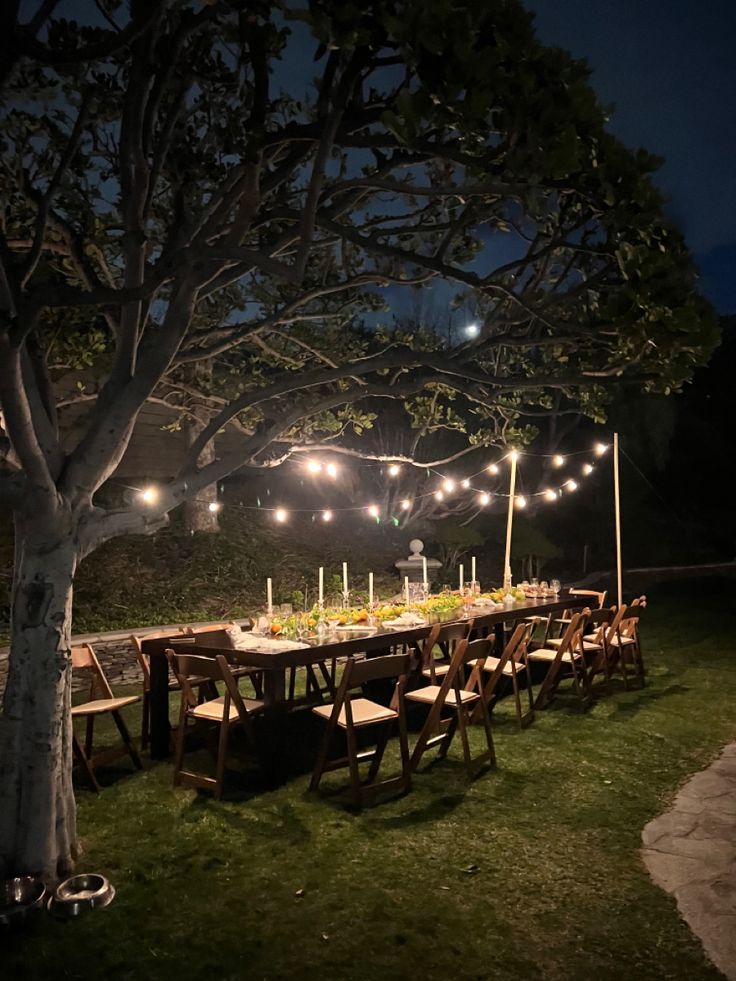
x=275 y=665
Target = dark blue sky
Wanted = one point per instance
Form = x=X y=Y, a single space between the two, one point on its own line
x=669 y=69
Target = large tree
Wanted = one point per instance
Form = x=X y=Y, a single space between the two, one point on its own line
x=176 y=189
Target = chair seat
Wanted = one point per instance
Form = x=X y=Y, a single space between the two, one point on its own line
x=492 y=663
x=619 y=641
x=430 y=692
x=214 y=710
x=589 y=645
x=440 y=668
x=100 y=705
x=365 y=712
x=549 y=654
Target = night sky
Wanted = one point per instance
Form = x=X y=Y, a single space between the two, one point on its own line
x=669 y=69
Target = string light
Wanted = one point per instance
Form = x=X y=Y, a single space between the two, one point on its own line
x=520 y=502
x=550 y=495
x=484 y=499
x=600 y=449
x=331 y=470
x=439 y=496
x=327 y=515
x=465 y=484
x=214 y=507
x=571 y=485
x=394 y=470
x=587 y=469
x=314 y=466
x=472 y=330
x=558 y=461
x=514 y=455
x=493 y=468
x=405 y=504
x=280 y=515
x=373 y=510
x=449 y=485
x=150 y=495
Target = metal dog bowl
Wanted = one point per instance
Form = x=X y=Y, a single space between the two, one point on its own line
x=18 y=898
x=80 y=893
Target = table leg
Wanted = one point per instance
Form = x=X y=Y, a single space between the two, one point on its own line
x=159 y=701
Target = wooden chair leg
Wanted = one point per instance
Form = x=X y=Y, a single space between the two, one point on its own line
x=179 y=752
x=123 y=730
x=89 y=736
x=462 y=726
x=404 y=751
x=221 y=757
x=321 y=761
x=145 y=719
x=354 y=768
x=85 y=764
x=489 y=735
x=517 y=695
x=378 y=753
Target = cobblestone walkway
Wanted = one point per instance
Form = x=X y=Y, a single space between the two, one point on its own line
x=690 y=852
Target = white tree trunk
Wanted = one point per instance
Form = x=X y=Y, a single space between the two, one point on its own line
x=37 y=808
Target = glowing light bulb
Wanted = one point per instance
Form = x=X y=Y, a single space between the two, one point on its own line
x=465 y=484
x=550 y=495
x=558 y=461
x=449 y=485
x=405 y=504
x=493 y=468
x=280 y=515
x=314 y=466
x=600 y=449
x=472 y=330
x=571 y=485
x=587 y=469
x=331 y=469
x=214 y=507
x=514 y=455
x=394 y=470
x=484 y=499
x=439 y=496
x=327 y=515
x=520 y=502
x=150 y=495
x=373 y=510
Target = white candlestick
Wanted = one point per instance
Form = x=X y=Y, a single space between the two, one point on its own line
x=462 y=576
x=472 y=566
x=269 y=595
x=370 y=589
x=406 y=589
x=321 y=584
x=424 y=570
x=344 y=577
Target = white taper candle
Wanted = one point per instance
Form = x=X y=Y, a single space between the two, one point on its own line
x=321 y=584
x=462 y=576
x=344 y=577
x=269 y=595
x=370 y=589
x=406 y=589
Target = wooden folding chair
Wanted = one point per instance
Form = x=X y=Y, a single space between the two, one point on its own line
x=510 y=665
x=445 y=636
x=101 y=702
x=626 y=642
x=597 y=599
x=217 y=635
x=350 y=714
x=458 y=696
x=145 y=666
x=224 y=712
x=568 y=656
x=600 y=625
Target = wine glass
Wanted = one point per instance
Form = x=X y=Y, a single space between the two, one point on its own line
x=555 y=586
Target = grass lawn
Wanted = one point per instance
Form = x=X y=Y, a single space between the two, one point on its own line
x=209 y=890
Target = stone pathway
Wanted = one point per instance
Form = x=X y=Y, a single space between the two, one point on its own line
x=690 y=852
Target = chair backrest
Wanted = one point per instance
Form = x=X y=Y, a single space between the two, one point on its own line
x=571 y=641
x=138 y=640
x=188 y=666
x=630 y=619
x=83 y=657
x=593 y=593
x=216 y=636
x=599 y=621
x=376 y=668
